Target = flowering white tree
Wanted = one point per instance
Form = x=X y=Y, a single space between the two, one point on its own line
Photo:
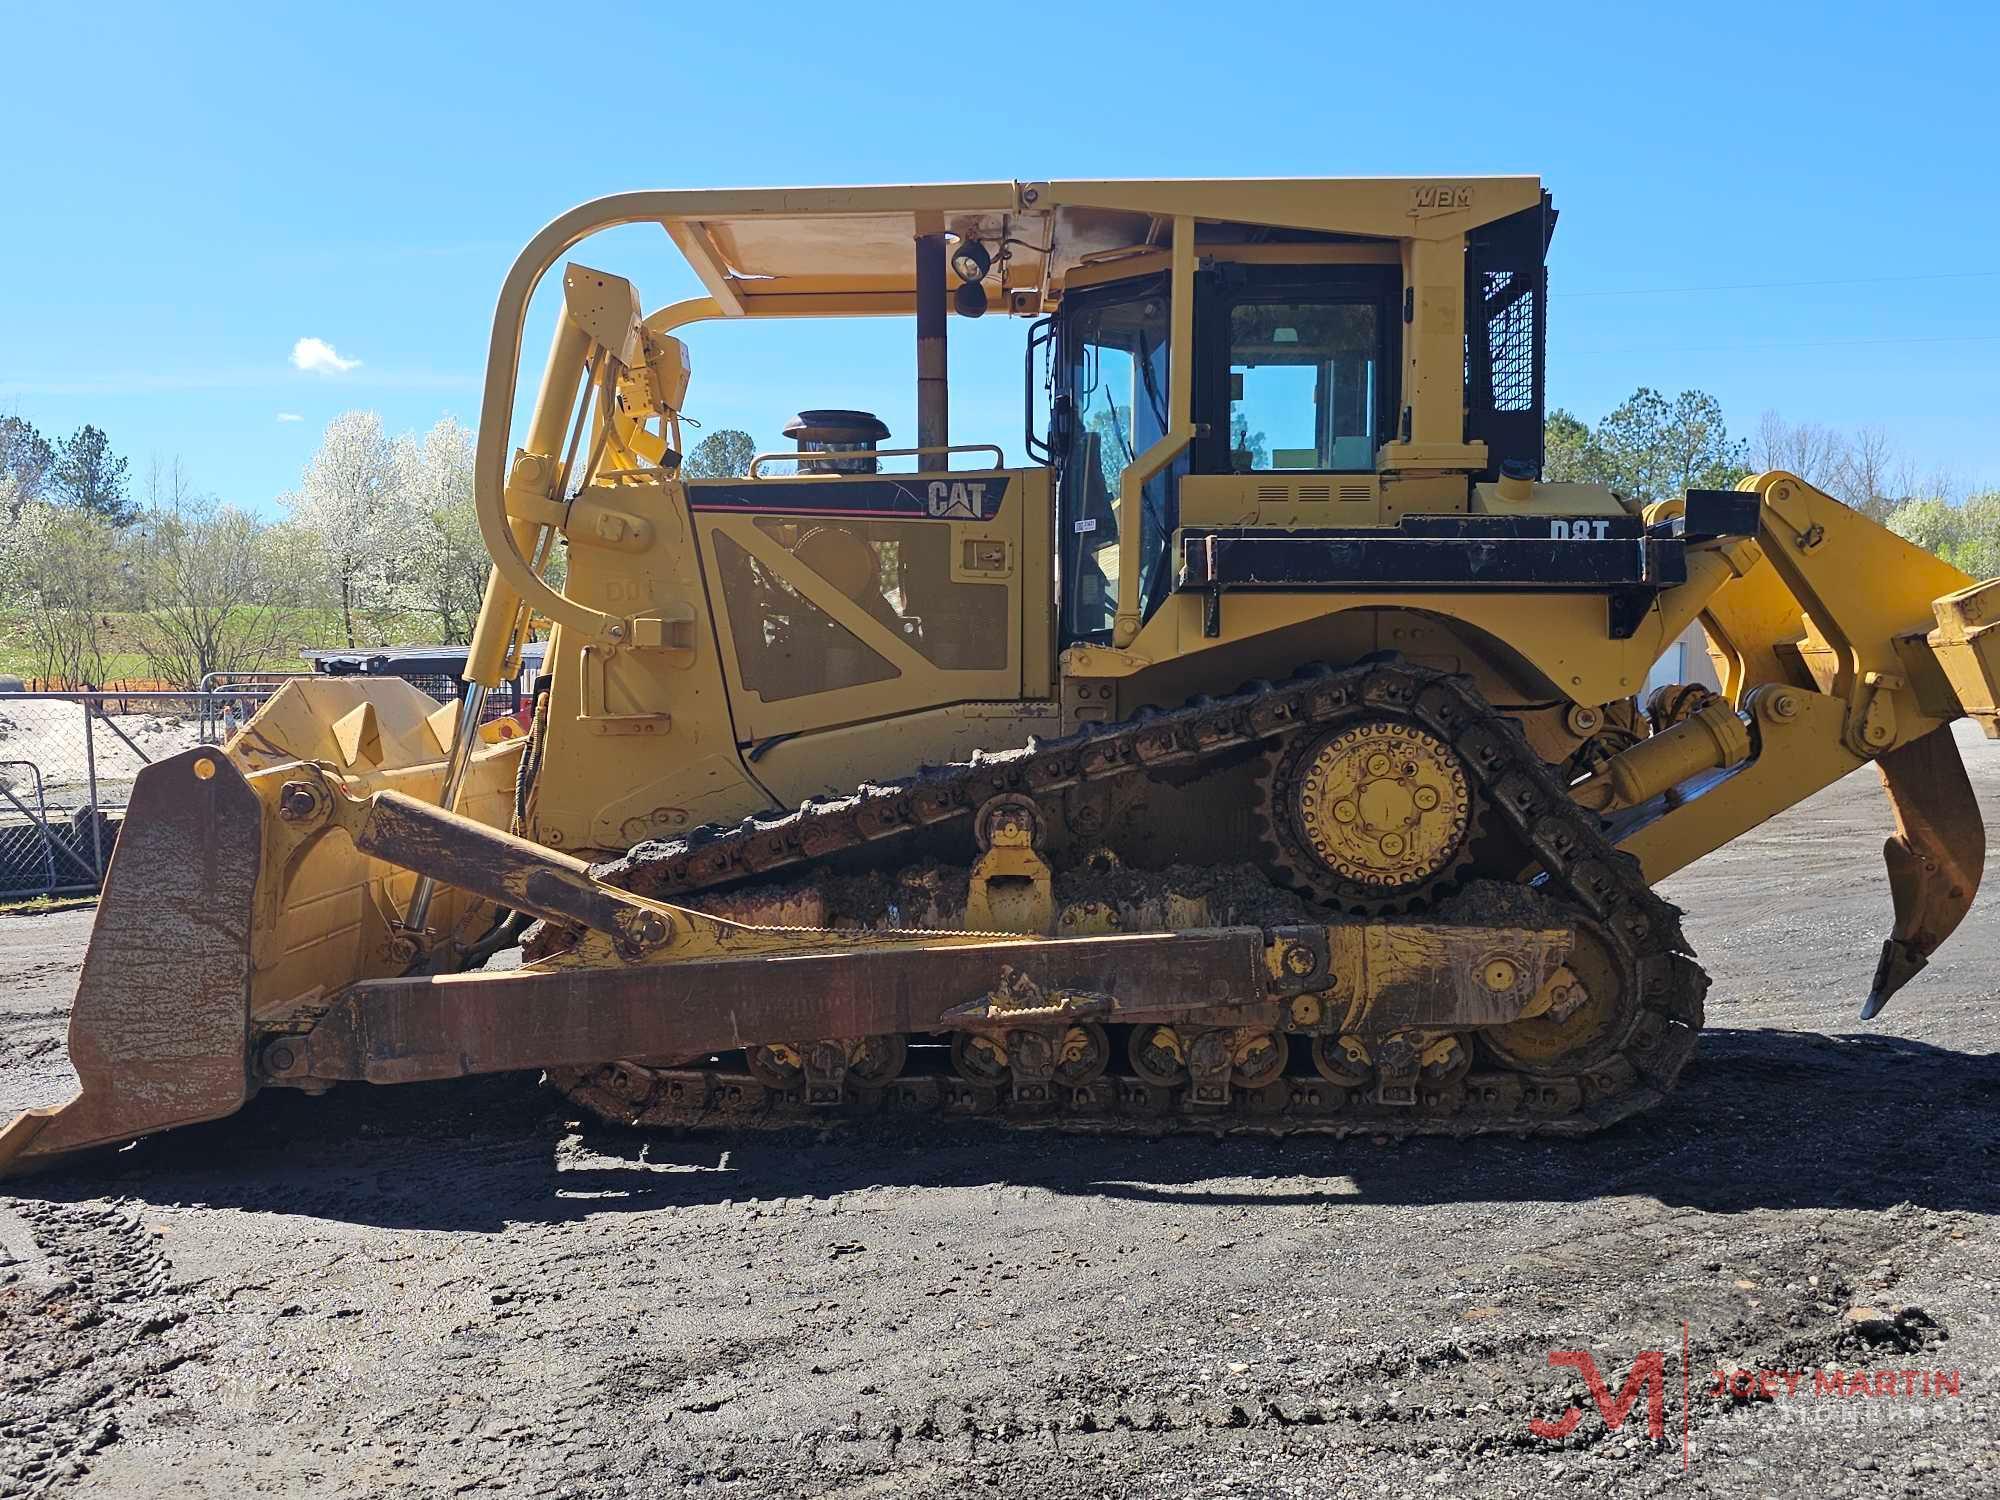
x=61 y=567
x=221 y=591
x=445 y=575
x=350 y=509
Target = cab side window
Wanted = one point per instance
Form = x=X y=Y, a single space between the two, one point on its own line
x=1114 y=380
x=1302 y=382
x=1297 y=367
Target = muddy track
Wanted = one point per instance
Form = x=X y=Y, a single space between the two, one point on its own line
x=1584 y=879
x=90 y=1319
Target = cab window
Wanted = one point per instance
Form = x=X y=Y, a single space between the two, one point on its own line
x=1302 y=381
x=1297 y=368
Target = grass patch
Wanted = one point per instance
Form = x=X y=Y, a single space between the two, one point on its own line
x=35 y=906
x=125 y=660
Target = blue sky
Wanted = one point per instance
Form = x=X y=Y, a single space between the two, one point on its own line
x=192 y=189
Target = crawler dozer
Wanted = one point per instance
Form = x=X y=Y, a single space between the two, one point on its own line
x=1265 y=753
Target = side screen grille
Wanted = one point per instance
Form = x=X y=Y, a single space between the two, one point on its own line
x=1513 y=306
x=1506 y=334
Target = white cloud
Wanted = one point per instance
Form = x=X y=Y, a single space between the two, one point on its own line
x=290 y=416
x=321 y=358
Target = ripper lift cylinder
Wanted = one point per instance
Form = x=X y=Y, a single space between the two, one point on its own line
x=1714 y=739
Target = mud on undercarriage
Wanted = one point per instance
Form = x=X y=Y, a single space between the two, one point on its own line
x=1539 y=987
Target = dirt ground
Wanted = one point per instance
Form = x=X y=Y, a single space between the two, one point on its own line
x=456 y=1289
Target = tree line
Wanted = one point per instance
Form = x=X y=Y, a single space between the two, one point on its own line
x=380 y=537
x=79 y=471
x=1651 y=447
x=379 y=534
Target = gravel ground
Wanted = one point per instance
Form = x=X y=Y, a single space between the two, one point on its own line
x=456 y=1288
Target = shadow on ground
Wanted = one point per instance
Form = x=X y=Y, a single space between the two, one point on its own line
x=1762 y=1119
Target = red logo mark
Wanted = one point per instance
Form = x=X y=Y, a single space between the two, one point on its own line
x=1648 y=1374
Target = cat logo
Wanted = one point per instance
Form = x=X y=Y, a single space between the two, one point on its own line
x=1440 y=198
x=958 y=500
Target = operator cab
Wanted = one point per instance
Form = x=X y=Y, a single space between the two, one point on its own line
x=1295 y=374
x=1240 y=370
x=1299 y=364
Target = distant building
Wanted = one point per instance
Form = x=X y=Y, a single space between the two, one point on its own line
x=1686 y=660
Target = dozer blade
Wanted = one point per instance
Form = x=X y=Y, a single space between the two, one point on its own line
x=159 y=1035
x=1935 y=857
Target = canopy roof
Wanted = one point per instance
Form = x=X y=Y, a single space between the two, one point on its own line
x=790 y=251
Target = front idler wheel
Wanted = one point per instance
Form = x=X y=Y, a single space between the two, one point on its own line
x=1587 y=1021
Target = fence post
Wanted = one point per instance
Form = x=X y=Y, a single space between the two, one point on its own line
x=90 y=763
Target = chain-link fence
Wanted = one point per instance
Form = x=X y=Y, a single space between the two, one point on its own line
x=510 y=700
x=67 y=764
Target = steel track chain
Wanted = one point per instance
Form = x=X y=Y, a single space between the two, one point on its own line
x=1635 y=1067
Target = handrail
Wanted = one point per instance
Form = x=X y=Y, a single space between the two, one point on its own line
x=827 y=455
x=1180 y=433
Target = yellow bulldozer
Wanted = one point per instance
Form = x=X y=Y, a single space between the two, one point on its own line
x=1265 y=754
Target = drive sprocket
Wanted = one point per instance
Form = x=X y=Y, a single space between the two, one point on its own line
x=1372 y=818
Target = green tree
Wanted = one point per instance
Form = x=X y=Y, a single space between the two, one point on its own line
x=1254 y=450
x=1114 y=449
x=89 y=476
x=724 y=454
x=25 y=460
x=217 y=598
x=1656 y=449
x=1570 y=451
x=59 y=565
